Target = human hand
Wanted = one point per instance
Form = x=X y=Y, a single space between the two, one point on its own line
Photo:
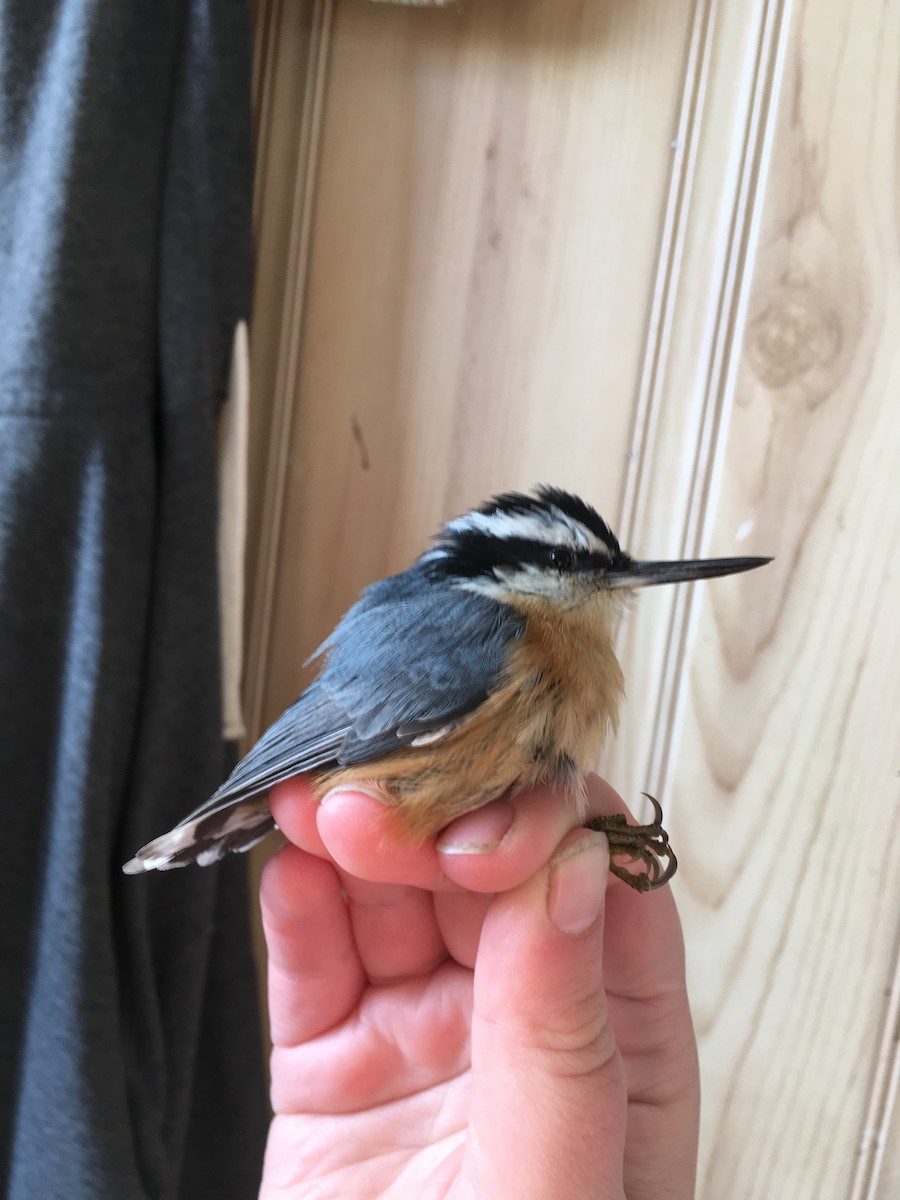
x=436 y=1034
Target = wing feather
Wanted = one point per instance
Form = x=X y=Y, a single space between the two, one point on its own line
x=411 y=656
x=409 y=660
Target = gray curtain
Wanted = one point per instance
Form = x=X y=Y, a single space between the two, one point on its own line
x=130 y=1058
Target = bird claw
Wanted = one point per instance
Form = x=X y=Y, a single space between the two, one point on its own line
x=645 y=844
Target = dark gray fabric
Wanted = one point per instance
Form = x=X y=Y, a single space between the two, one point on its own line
x=130 y=1058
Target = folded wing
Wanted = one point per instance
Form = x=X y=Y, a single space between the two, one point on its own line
x=407 y=662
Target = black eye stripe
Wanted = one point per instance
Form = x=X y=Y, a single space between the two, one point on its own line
x=471 y=553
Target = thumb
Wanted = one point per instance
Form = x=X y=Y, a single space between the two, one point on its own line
x=548 y=1101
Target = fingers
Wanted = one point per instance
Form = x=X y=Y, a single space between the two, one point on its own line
x=644 y=948
x=365 y=837
x=489 y=850
x=649 y=1011
x=320 y=921
x=311 y=948
x=404 y=1039
x=541 y=817
x=548 y=1103
x=397 y=935
x=460 y=916
x=341 y=1045
x=357 y=831
x=295 y=808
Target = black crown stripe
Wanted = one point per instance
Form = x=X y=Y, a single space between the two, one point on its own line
x=546 y=497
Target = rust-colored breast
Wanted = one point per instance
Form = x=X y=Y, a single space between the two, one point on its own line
x=546 y=722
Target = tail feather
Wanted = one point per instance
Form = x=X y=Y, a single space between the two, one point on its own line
x=205 y=839
x=306 y=736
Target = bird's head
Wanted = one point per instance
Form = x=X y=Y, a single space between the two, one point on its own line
x=552 y=546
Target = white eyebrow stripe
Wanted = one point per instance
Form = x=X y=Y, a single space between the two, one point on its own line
x=552 y=530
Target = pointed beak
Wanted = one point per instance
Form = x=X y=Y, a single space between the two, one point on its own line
x=647 y=574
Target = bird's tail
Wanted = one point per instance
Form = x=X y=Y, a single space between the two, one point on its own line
x=205 y=838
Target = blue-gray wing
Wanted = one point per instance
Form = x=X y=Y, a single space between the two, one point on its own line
x=411 y=657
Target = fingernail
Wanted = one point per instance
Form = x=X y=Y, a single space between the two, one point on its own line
x=355 y=790
x=478 y=832
x=577 y=890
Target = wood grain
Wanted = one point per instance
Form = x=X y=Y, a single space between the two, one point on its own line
x=687 y=379
x=649 y=252
x=877 y=1174
x=292 y=47
x=291 y=43
x=482 y=253
x=788 y=744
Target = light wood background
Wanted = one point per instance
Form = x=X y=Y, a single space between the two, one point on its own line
x=648 y=250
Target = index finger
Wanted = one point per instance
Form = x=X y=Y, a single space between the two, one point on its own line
x=492 y=849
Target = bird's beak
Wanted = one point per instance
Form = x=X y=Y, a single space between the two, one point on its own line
x=647 y=574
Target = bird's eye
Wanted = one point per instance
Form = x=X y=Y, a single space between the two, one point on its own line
x=561 y=557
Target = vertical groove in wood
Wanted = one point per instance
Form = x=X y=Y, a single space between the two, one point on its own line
x=884 y=1092
x=309 y=121
x=266 y=23
x=651 y=390
x=665 y=290
x=719 y=386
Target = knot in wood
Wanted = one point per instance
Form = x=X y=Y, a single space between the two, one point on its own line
x=795 y=332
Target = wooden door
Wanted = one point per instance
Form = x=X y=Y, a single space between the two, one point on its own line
x=647 y=250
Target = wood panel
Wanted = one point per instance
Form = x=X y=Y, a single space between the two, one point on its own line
x=648 y=251
x=490 y=191
x=687 y=379
x=785 y=752
x=291 y=43
x=884 y=1181
x=877 y=1174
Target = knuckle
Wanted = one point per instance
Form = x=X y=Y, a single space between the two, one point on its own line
x=578 y=1047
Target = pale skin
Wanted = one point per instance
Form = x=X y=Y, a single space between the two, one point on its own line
x=476 y=1017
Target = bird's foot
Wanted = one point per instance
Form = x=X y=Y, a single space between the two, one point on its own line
x=630 y=845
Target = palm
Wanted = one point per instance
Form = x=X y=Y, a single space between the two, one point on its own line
x=406 y=1134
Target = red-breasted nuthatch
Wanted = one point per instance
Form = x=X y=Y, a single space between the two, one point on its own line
x=488 y=665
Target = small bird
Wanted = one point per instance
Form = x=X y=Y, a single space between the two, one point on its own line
x=488 y=666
